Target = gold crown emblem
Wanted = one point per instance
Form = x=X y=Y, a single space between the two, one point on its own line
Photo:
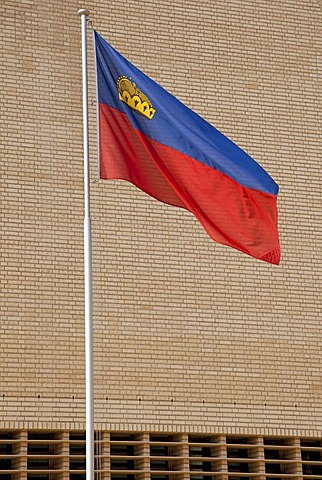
x=134 y=98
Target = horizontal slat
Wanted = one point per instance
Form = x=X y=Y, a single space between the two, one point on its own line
x=280 y=447
x=280 y=461
x=311 y=449
x=208 y=444
x=281 y=475
x=312 y=462
x=243 y=474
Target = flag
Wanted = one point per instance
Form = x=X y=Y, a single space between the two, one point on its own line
x=151 y=139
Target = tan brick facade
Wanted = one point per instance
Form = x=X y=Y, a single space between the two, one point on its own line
x=189 y=336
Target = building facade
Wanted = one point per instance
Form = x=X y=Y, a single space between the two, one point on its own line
x=207 y=362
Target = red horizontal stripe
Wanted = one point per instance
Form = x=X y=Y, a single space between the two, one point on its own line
x=232 y=215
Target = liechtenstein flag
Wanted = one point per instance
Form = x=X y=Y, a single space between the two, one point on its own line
x=149 y=138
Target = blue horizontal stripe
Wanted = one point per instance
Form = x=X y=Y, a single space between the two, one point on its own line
x=174 y=124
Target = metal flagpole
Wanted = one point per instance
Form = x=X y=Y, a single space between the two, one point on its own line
x=83 y=13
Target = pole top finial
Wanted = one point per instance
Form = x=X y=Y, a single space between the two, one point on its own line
x=83 y=11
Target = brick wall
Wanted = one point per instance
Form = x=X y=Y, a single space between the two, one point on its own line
x=188 y=334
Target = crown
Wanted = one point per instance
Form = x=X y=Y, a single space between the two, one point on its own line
x=134 y=98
